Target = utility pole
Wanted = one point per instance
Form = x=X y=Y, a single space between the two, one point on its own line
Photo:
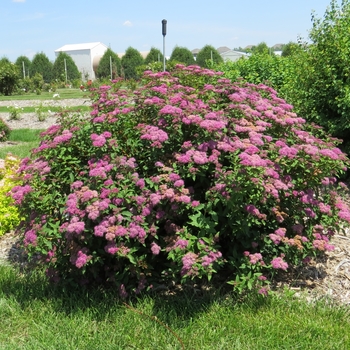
x=164 y=21
x=65 y=69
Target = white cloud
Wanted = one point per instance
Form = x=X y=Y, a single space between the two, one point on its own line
x=127 y=24
x=18 y=0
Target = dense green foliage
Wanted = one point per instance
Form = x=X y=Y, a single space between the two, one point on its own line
x=154 y=55
x=261 y=48
x=9 y=217
x=4 y=130
x=9 y=77
x=42 y=65
x=183 y=177
x=64 y=61
x=26 y=62
x=208 y=53
x=323 y=93
x=109 y=60
x=182 y=55
x=130 y=61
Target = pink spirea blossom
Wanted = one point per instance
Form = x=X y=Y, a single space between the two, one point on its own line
x=276 y=239
x=155 y=248
x=279 y=263
x=255 y=258
x=98 y=140
x=154 y=134
x=30 y=238
x=76 y=227
x=188 y=261
x=181 y=243
x=209 y=259
x=212 y=125
x=81 y=259
x=66 y=136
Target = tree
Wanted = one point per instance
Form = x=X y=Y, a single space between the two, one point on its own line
x=208 y=52
x=42 y=65
x=24 y=66
x=63 y=61
x=290 y=48
x=130 y=61
x=154 y=56
x=8 y=77
x=182 y=55
x=104 y=67
x=322 y=86
x=261 y=48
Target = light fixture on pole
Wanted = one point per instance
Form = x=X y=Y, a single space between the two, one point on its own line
x=164 y=21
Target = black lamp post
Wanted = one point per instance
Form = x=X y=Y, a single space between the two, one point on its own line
x=164 y=21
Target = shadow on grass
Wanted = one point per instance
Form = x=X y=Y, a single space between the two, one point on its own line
x=176 y=307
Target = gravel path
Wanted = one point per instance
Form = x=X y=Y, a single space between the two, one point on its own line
x=30 y=120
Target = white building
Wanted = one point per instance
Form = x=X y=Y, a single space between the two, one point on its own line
x=85 y=56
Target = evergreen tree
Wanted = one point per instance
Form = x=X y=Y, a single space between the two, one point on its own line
x=104 y=67
x=208 y=52
x=8 y=77
x=182 y=55
x=63 y=61
x=130 y=61
x=154 y=56
x=24 y=61
x=42 y=65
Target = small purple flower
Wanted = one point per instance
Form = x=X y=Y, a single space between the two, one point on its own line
x=30 y=238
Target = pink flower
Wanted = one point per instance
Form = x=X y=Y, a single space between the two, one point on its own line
x=155 y=248
x=276 y=239
x=181 y=243
x=255 y=258
x=98 y=140
x=278 y=263
x=30 y=237
x=187 y=262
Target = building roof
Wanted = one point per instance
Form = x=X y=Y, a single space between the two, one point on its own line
x=223 y=49
x=75 y=47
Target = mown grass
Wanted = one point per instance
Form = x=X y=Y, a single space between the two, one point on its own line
x=24 y=141
x=35 y=315
x=63 y=93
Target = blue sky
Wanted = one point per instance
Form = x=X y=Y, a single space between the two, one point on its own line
x=31 y=26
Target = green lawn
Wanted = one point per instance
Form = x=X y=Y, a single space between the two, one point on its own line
x=63 y=93
x=24 y=141
x=35 y=316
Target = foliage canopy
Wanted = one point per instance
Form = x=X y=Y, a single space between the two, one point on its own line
x=109 y=60
x=130 y=61
x=63 y=61
x=208 y=53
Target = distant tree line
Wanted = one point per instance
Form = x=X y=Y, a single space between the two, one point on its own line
x=41 y=74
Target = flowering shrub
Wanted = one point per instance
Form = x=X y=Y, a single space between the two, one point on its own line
x=4 y=130
x=9 y=216
x=184 y=177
